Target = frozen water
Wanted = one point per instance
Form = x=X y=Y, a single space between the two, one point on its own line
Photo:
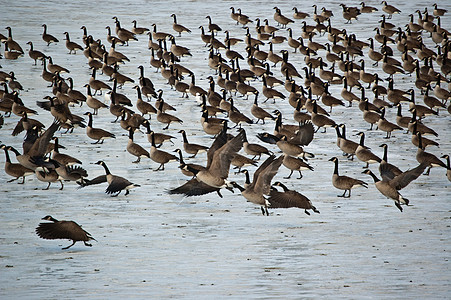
x=152 y=245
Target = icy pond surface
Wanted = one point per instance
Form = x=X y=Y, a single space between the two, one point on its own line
x=152 y=245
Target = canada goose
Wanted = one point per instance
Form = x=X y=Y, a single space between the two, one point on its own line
x=255 y=150
x=448 y=167
x=272 y=57
x=115 y=183
x=320 y=120
x=349 y=14
x=288 y=67
x=385 y=168
x=97 y=134
x=210 y=126
x=400 y=120
x=318 y=17
x=385 y=125
x=159 y=138
x=431 y=101
x=329 y=100
x=206 y=38
x=98 y=85
x=122 y=33
x=48 y=38
x=389 y=9
x=178 y=27
x=26 y=123
x=160 y=156
x=391 y=69
x=143 y=107
x=425 y=141
x=389 y=186
x=289 y=148
x=212 y=110
x=92 y=102
x=10 y=43
x=417 y=125
x=421 y=110
x=261 y=183
x=426 y=158
x=347 y=146
x=364 y=153
x=70 y=45
x=345 y=183
x=11 y=54
x=38 y=148
x=63 y=230
x=135 y=149
x=438 y=12
x=191 y=148
x=440 y=92
x=259 y=112
x=75 y=95
x=35 y=54
x=367 y=9
x=120 y=79
x=289 y=198
x=347 y=94
x=115 y=56
x=233 y=40
x=61 y=158
x=281 y=19
x=299 y=14
x=242 y=18
x=18 y=108
x=236 y=116
x=240 y=161
x=166 y=118
x=139 y=30
x=295 y=164
x=14 y=169
x=215 y=175
x=62 y=113
x=212 y=27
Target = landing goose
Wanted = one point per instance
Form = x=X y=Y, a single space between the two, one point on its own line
x=289 y=198
x=390 y=187
x=63 y=230
x=261 y=183
x=215 y=175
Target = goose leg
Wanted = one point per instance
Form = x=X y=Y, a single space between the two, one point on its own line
x=69 y=246
x=398 y=206
x=89 y=245
x=289 y=176
x=300 y=175
x=307 y=212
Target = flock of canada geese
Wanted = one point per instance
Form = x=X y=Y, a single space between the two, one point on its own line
x=300 y=74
